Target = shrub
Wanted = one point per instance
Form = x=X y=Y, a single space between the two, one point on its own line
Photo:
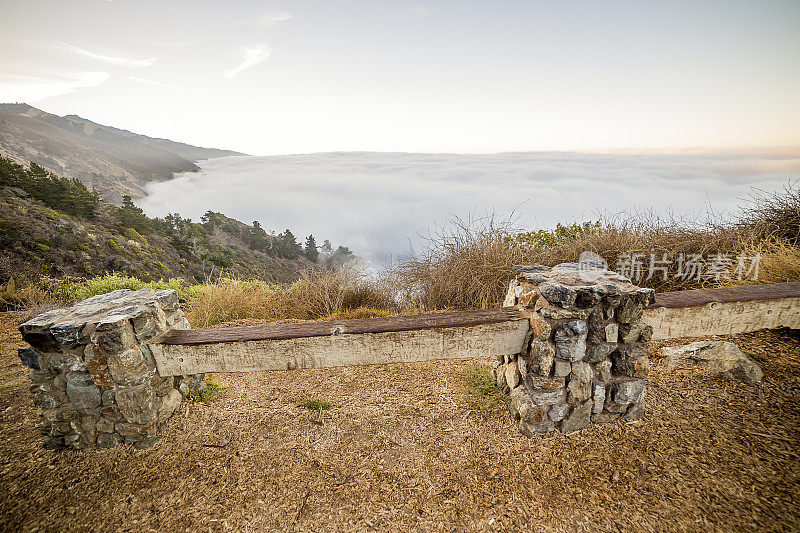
x=314 y=404
x=134 y=235
x=774 y=215
x=112 y=282
x=210 y=388
x=480 y=391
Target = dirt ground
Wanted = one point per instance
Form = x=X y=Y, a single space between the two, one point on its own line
x=398 y=450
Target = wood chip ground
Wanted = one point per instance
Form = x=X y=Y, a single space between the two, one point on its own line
x=399 y=451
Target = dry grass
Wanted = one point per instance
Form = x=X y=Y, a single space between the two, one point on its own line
x=399 y=451
x=323 y=293
x=775 y=215
x=468 y=263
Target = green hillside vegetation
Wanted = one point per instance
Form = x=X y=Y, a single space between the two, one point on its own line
x=56 y=227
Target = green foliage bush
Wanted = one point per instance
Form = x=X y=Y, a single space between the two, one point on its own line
x=314 y=404
x=211 y=388
x=112 y=282
x=134 y=235
x=480 y=392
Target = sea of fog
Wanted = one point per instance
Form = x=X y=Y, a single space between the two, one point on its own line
x=380 y=204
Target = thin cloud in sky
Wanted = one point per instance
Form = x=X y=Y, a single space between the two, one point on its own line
x=121 y=61
x=269 y=18
x=153 y=82
x=24 y=88
x=251 y=56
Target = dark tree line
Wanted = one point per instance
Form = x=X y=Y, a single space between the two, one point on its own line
x=63 y=194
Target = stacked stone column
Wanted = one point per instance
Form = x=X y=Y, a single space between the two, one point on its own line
x=93 y=378
x=587 y=356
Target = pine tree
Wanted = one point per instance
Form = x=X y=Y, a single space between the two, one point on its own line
x=310 y=250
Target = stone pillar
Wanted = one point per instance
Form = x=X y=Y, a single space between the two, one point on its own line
x=587 y=356
x=92 y=375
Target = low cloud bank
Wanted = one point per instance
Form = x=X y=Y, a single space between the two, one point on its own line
x=379 y=204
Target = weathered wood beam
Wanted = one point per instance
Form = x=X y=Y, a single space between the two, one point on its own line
x=341 y=327
x=724 y=311
x=463 y=342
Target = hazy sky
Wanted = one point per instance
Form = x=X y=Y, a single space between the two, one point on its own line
x=295 y=77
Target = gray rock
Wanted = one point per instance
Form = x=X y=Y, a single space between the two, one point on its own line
x=545 y=391
x=116 y=340
x=167 y=298
x=602 y=371
x=631 y=360
x=633 y=304
x=629 y=311
x=561 y=368
x=107 y=398
x=579 y=418
x=612 y=332
x=512 y=375
x=597 y=325
x=53 y=444
x=82 y=391
x=42 y=322
x=137 y=403
x=579 y=387
x=59 y=362
x=45 y=401
x=570 y=340
x=112 y=322
x=65 y=332
x=589 y=296
x=540 y=357
x=719 y=358
x=60 y=429
x=123 y=310
x=128 y=365
x=529 y=429
x=30 y=358
x=636 y=332
x=104 y=425
x=108 y=440
x=558 y=294
x=558 y=412
x=605 y=417
x=520 y=405
x=627 y=391
x=147 y=325
x=597 y=352
x=634 y=413
x=169 y=404
x=598 y=398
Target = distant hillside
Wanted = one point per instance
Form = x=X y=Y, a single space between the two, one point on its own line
x=54 y=226
x=115 y=162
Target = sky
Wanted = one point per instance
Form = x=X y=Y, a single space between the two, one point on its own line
x=293 y=77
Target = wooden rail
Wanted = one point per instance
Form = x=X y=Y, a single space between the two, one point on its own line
x=340 y=327
x=724 y=311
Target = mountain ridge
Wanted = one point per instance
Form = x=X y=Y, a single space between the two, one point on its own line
x=113 y=161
